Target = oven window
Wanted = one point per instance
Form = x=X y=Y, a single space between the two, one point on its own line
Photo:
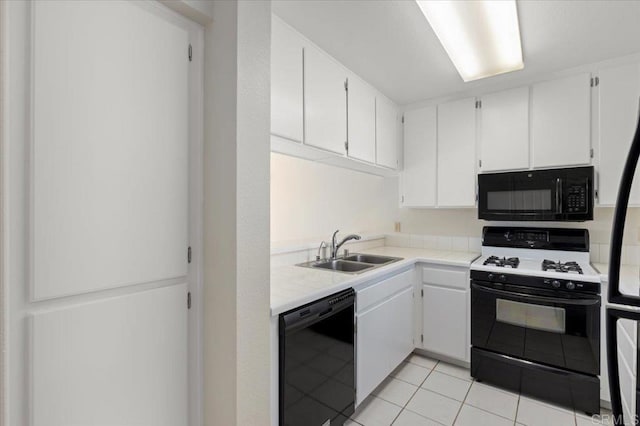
x=525 y=200
x=538 y=317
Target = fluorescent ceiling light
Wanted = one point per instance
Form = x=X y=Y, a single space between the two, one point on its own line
x=482 y=37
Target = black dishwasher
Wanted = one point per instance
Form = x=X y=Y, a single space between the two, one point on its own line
x=317 y=362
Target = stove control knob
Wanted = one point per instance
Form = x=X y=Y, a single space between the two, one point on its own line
x=503 y=277
x=555 y=284
x=491 y=276
x=570 y=285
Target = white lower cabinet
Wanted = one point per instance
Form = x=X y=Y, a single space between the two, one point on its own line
x=384 y=330
x=445 y=312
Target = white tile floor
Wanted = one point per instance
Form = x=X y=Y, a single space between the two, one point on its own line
x=426 y=392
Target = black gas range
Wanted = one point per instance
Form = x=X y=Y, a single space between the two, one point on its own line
x=535 y=315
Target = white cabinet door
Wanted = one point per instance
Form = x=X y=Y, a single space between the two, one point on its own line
x=384 y=339
x=361 y=120
x=561 y=122
x=504 y=130
x=457 y=153
x=110 y=173
x=619 y=91
x=386 y=133
x=419 y=172
x=444 y=322
x=325 y=100
x=286 y=82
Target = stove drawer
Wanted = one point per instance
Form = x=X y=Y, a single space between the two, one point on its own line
x=578 y=391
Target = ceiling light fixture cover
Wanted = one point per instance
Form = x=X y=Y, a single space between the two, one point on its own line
x=482 y=37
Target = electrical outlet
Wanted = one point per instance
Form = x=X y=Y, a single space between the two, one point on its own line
x=396 y=227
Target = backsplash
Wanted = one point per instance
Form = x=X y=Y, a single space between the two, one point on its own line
x=439 y=242
x=599 y=252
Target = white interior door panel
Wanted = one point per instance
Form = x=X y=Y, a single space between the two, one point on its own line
x=110 y=147
x=112 y=362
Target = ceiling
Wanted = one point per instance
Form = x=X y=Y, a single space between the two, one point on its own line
x=390 y=44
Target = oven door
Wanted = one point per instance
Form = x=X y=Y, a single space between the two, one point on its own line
x=537 y=325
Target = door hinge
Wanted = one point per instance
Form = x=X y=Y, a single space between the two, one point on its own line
x=422 y=337
x=422 y=293
x=591 y=152
x=355 y=327
x=597 y=198
x=403 y=198
x=592 y=82
x=478 y=104
x=595 y=81
x=479 y=163
x=190 y=53
x=189 y=300
x=189 y=254
x=346 y=146
x=403 y=119
x=346 y=85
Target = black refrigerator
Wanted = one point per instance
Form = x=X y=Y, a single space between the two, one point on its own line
x=623 y=307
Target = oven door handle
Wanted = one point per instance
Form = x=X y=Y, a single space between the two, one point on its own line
x=533 y=298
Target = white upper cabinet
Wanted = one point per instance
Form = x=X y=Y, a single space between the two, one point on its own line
x=333 y=115
x=286 y=82
x=504 y=130
x=362 y=120
x=619 y=91
x=325 y=101
x=457 y=153
x=419 y=173
x=386 y=133
x=561 y=122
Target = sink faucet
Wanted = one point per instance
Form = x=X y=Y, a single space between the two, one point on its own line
x=335 y=247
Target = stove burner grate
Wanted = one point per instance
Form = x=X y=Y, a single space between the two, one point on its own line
x=566 y=267
x=504 y=262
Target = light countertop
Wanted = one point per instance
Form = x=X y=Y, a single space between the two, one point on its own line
x=293 y=286
x=629 y=277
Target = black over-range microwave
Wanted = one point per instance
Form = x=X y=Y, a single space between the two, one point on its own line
x=551 y=195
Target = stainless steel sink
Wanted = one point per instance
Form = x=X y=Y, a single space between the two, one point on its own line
x=353 y=264
x=372 y=258
x=343 y=265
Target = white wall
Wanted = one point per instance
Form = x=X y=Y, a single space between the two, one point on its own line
x=236 y=214
x=310 y=200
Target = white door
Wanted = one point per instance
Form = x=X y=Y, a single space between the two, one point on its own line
x=325 y=101
x=561 y=122
x=419 y=172
x=618 y=94
x=457 y=153
x=100 y=333
x=504 y=130
x=386 y=133
x=361 y=106
x=286 y=81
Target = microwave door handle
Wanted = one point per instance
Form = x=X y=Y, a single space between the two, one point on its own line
x=559 y=195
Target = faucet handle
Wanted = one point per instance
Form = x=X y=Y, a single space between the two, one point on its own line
x=323 y=247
